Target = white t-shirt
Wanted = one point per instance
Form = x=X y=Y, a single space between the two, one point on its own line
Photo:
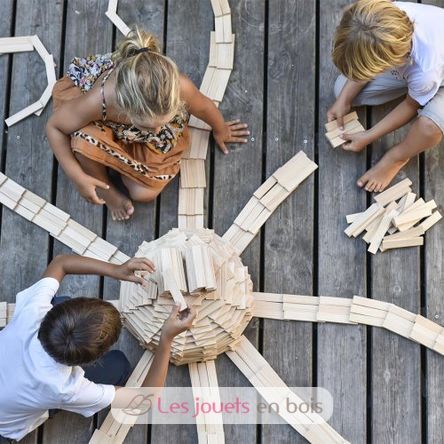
x=31 y=382
x=425 y=71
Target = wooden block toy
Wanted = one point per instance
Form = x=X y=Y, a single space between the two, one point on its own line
x=330 y=126
x=399 y=321
x=170 y=283
x=118 y=22
x=16 y=44
x=425 y=331
x=414 y=215
x=439 y=344
x=376 y=239
x=217 y=8
x=350 y=218
x=225 y=54
x=102 y=249
x=265 y=187
x=192 y=173
x=394 y=192
x=389 y=244
x=368 y=311
x=223 y=29
x=333 y=309
x=225 y=7
x=191 y=201
x=25 y=112
x=219 y=83
x=431 y=220
x=199 y=266
x=199 y=144
x=411 y=233
x=207 y=80
x=352 y=127
x=365 y=219
x=194 y=122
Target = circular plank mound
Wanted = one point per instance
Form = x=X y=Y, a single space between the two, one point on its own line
x=217 y=285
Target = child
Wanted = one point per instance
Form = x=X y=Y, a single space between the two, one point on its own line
x=128 y=111
x=47 y=342
x=387 y=50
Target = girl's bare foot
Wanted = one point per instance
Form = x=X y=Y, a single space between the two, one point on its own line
x=120 y=206
x=378 y=177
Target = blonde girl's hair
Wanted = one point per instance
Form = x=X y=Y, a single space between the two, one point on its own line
x=373 y=36
x=147 y=84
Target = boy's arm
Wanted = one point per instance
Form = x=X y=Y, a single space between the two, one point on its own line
x=204 y=108
x=62 y=265
x=344 y=101
x=175 y=324
x=395 y=119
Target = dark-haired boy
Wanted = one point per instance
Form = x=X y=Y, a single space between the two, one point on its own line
x=54 y=355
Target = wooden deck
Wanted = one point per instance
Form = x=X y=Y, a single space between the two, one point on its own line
x=385 y=388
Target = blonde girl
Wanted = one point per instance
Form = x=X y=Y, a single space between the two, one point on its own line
x=128 y=111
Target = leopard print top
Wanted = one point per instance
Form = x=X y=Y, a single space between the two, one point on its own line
x=85 y=71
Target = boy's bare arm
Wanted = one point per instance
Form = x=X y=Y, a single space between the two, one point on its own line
x=344 y=101
x=62 y=265
x=155 y=379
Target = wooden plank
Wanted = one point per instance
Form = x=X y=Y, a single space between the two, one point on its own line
x=11 y=224
x=192 y=19
x=395 y=279
x=28 y=159
x=289 y=231
x=243 y=100
x=341 y=350
x=80 y=19
x=434 y=281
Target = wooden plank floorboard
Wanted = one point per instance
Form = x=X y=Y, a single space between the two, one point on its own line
x=396 y=372
x=185 y=21
x=288 y=261
x=82 y=16
x=238 y=174
x=29 y=160
x=6 y=20
x=142 y=226
x=341 y=350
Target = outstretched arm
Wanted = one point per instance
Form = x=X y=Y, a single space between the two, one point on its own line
x=62 y=265
x=203 y=108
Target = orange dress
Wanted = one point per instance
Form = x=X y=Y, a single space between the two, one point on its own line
x=150 y=159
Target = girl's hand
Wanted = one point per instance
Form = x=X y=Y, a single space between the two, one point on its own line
x=355 y=142
x=87 y=188
x=126 y=271
x=231 y=133
x=338 y=111
x=178 y=322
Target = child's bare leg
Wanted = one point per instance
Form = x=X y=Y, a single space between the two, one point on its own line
x=120 y=206
x=422 y=135
x=138 y=192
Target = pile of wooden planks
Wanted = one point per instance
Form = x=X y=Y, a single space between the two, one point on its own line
x=274 y=390
x=351 y=126
x=214 y=84
x=395 y=220
x=30 y=43
x=219 y=288
x=206 y=388
x=358 y=310
x=267 y=198
x=58 y=223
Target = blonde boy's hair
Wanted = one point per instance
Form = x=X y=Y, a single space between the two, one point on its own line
x=373 y=36
x=147 y=83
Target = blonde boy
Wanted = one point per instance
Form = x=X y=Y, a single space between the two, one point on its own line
x=387 y=50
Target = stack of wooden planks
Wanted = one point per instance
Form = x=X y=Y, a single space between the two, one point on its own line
x=351 y=126
x=267 y=198
x=395 y=220
x=58 y=223
x=218 y=287
x=357 y=310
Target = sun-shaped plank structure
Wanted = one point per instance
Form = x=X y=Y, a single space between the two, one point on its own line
x=218 y=286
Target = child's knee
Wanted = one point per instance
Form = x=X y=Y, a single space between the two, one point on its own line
x=140 y=194
x=430 y=130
